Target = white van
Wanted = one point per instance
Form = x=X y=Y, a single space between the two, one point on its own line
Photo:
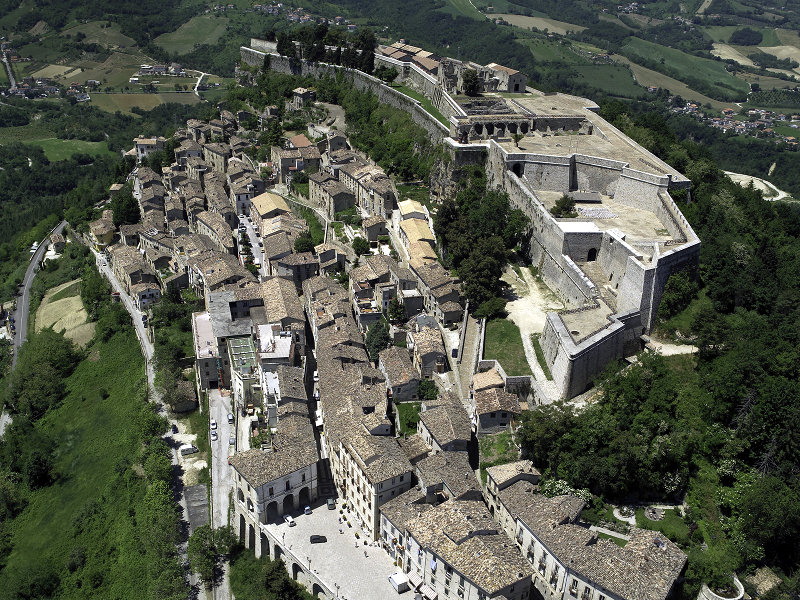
x=187 y=449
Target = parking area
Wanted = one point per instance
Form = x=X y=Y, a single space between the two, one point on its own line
x=255 y=240
x=343 y=563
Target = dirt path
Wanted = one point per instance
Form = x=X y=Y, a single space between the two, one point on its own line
x=704 y=7
x=770 y=191
x=532 y=301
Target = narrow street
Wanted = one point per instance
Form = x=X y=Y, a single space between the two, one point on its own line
x=219 y=407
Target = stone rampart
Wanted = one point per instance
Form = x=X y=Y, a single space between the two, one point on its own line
x=361 y=81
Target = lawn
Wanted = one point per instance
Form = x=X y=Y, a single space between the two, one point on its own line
x=125 y=102
x=701 y=69
x=408 y=415
x=671 y=525
x=611 y=79
x=94 y=436
x=496 y=449
x=204 y=29
x=504 y=344
x=540 y=23
x=682 y=322
x=426 y=104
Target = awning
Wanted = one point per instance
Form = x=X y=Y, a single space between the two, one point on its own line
x=414 y=579
x=428 y=593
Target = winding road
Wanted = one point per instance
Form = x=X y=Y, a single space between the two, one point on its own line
x=23 y=308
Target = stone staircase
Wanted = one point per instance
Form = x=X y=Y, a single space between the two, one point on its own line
x=594 y=271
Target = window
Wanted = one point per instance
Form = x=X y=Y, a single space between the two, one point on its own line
x=271 y=491
x=587 y=593
x=493 y=415
x=287 y=486
x=573 y=587
x=401 y=477
x=304 y=476
x=503 y=415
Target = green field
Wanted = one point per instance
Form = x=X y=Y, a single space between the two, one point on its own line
x=612 y=79
x=205 y=29
x=709 y=71
x=94 y=436
x=722 y=33
x=101 y=32
x=125 y=102
x=549 y=51
x=426 y=104
x=54 y=148
x=504 y=344
x=672 y=525
x=617 y=540
x=496 y=449
x=462 y=8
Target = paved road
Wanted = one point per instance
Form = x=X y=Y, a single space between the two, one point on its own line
x=9 y=71
x=219 y=406
x=24 y=301
x=23 y=308
x=258 y=251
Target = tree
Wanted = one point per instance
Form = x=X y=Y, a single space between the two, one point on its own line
x=427 y=390
x=746 y=37
x=285 y=46
x=304 y=243
x=677 y=295
x=125 y=207
x=396 y=311
x=377 y=339
x=564 y=208
x=360 y=246
x=386 y=74
x=206 y=548
x=491 y=309
x=470 y=82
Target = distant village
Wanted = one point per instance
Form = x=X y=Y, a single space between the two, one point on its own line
x=757 y=122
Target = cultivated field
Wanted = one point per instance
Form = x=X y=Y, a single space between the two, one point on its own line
x=53 y=71
x=790 y=52
x=612 y=79
x=722 y=33
x=712 y=72
x=125 y=102
x=204 y=29
x=54 y=148
x=648 y=77
x=550 y=51
x=63 y=310
x=727 y=52
x=101 y=32
x=542 y=23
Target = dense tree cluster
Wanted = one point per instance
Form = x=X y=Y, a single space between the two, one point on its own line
x=478 y=229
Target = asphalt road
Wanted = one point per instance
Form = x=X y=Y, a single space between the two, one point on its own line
x=24 y=301
x=221 y=473
x=23 y=308
x=258 y=251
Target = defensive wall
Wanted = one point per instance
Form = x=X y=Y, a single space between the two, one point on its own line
x=361 y=81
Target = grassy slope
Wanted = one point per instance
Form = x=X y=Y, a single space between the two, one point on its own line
x=97 y=33
x=124 y=102
x=722 y=33
x=504 y=344
x=711 y=71
x=205 y=29
x=462 y=8
x=93 y=435
x=612 y=79
x=426 y=104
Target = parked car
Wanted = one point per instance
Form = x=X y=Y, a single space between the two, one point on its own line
x=213 y=424
x=316 y=376
x=232 y=440
x=331 y=504
x=188 y=449
x=230 y=417
x=318 y=539
x=307 y=510
x=289 y=520
x=214 y=435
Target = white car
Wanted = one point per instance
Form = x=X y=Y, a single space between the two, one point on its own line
x=213 y=424
x=213 y=436
x=289 y=520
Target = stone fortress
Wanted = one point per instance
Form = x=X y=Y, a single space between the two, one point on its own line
x=610 y=264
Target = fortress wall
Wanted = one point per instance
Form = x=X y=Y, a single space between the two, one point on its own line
x=551 y=173
x=596 y=174
x=263 y=45
x=680 y=258
x=613 y=257
x=640 y=190
x=361 y=81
